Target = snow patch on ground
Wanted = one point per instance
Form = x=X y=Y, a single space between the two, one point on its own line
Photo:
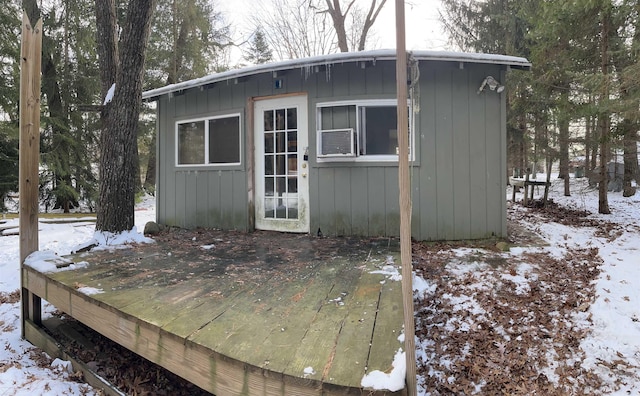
x=392 y=381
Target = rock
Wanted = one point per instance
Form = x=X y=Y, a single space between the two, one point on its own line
x=503 y=246
x=152 y=228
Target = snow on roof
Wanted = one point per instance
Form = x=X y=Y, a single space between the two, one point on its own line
x=343 y=57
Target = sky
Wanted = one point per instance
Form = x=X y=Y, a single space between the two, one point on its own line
x=423 y=28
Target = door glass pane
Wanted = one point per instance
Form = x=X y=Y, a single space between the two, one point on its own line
x=281 y=169
x=293 y=185
x=269 y=207
x=292 y=118
x=281 y=187
x=281 y=143
x=292 y=141
x=292 y=212
x=268 y=142
x=268 y=164
x=292 y=164
x=268 y=185
x=280 y=120
x=268 y=120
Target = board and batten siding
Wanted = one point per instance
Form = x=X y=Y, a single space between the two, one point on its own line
x=458 y=178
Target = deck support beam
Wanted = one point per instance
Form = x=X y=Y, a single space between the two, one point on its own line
x=30 y=67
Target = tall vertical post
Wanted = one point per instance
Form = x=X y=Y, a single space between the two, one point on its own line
x=30 y=66
x=405 y=200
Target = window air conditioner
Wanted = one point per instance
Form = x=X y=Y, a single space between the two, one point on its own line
x=337 y=143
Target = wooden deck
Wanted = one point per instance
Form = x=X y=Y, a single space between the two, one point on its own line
x=239 y=314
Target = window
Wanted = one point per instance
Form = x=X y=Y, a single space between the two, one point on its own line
x=364 y=130
x=211 y=141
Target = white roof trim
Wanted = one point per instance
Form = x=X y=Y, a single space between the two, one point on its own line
x=342 y=57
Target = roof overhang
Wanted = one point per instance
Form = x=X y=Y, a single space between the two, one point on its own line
x=339 y=58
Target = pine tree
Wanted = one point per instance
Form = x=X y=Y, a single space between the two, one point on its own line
x=9 y=94
x=69 y=72
x=188 y=38
x=258 y=51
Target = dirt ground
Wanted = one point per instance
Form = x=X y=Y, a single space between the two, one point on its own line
x=499 y=346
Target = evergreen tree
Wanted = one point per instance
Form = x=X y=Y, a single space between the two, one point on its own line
x=187 y=36
x=9 y=95
x=69 y=71
x=188 y=39
x=585 y=57
x=258 y=51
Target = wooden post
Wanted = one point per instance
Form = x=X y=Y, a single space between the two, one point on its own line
x=405 y=200
x=30 y=66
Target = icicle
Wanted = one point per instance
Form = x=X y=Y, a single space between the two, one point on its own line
x=306 y=71
x=327 y=72
x=414 y=88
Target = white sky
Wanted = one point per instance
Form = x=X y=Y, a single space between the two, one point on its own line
x=423 y=28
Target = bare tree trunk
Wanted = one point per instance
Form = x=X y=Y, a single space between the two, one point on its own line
x=334 y=9
x=150 y=176
x=369 y=21
x=630 y=157
x=587 y=144
x=563 y=126
x=119 y=140
x=604 y=119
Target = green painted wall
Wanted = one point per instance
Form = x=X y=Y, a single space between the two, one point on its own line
x=458 y=177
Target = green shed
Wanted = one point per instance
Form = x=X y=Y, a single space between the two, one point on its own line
x=311 y=144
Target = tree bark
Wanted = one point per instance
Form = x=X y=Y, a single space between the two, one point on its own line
x=604 y=119
x=563 y=126
x=369 y=21
x=630 y=133
x=150 y=175
x=335 y=11
x=118 y=141
x=106 y=39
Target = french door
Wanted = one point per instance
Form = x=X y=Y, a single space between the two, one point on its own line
x=281 y=164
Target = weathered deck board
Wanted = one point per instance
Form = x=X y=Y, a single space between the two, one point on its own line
x=297 y=315
x=349 y=356
x=245 y=319
x=388 y=327
x=318 y=348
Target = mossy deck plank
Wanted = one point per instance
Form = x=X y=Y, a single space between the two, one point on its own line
x=316 y=349
x=389 y=326
x=351 y=349
x=315 y=307
x=264 y=306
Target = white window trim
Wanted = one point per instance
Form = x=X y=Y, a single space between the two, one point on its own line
x=206 y=141
x=359 y=104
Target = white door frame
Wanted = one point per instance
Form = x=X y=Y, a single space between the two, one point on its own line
x=281 y=172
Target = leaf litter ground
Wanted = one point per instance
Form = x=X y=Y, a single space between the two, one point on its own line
x=528 y=321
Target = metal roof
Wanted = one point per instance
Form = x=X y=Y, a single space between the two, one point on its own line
x=343 y=57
